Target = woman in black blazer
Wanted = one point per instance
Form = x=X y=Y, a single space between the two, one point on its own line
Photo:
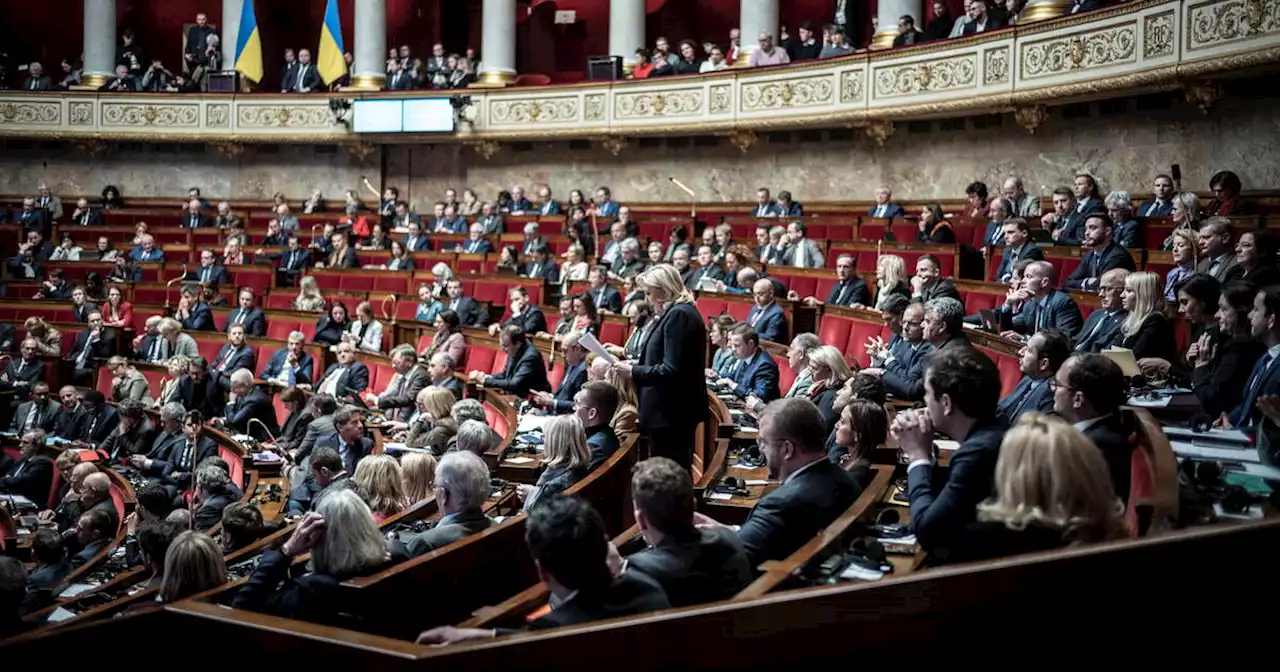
x=295 y=425
x=1256 y=254
x=1147 y=332
x=829 y=374
x=934 y=227
x=330 y=328
x=1223 y=365
x=344 y=542
x=864 y=425
x=670 y=375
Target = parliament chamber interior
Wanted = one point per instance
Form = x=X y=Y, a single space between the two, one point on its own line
x=564 y=334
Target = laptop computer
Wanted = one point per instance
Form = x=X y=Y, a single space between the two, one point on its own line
x=996 y=321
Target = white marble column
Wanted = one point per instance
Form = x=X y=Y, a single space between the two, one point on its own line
x=756 y=16
x=99 y=42
x=370 y=64
x=626 y=30
x=887 y=14
x=229 y=33
x=498 y=43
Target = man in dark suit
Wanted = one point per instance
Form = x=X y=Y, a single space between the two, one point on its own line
x=247 y=403
x=928 y=283
x=525 y=371
x=849 y=289
x=1017 y=247
x=766 y=315
x=210 y=271
x=307 y=79
x=51 y=559
x=1162 y=204
x=349 y=442
x=575 y=374
x=1217 y=254
x=602 y=294
x=1089 y=390
x=86 y=215
x=595 y=404
x=462 y=480
x=814 y=491
x=414 y=241
x=94 y=530
x=1264 y=380
x=233 y=356
x=522 y=313
x=765 y=207
x=247 y=315
x=1040 y=359
x=288 y=72
x=100 y=420
x=197 y=41
x=194 y=217
x=980 y=20
x=907 y=33
x=92 y=344
x=198 y=391
x=964 y=388
x=32 y=218
x=399 y=79
x=1103 y=325
x=22 y=374
x=546 y=205
x=133 y=435
x=67 y=420
x=31 y=475
x=883 y=209
x=81 y=307
x=902 y=368
x=693 y=566
x=402 y=391
x=1103 y=256
x=470 y=312
x=177 y=449
x=345 y=378
x=475 y=243
x=37 y=413
x=36 y=79
x=707 y=267
x=292 y=261
x=1046 y=306
x=440 y=369
x=542 y=266
x=213 y=494
x=757 y=376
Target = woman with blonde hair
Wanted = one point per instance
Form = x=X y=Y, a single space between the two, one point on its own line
x=1185 y=215
x=309 y=297
x=829 y=371
x=418 y=475
x=48 y=340
x=1185 y=258
x=670 y=375
x=175 y=367
x=343 y=542
x=1146 y=331
x=575 y=267
x=381 y=483
x=564 y=461
x=1052 y=490
x=193 y=564
x=891 y=278
x=624 y=417
x=432 y=426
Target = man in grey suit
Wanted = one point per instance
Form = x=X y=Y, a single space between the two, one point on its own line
x=398 y=398
x=801 y=252
x=462 y=487
x=38 y=413
x=323 y=407
x=1217 y=254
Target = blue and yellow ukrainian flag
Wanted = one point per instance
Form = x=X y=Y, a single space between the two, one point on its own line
x=330 y=64
x=249 y=44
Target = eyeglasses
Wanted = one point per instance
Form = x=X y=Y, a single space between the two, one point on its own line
x=1055 y=386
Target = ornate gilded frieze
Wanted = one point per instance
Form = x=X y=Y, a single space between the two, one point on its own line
x=650 y=104
x=283 y=116
x=1210 y=24
x=1087 y=49
x=789 y=94
x=534 y=111
x=937 y=76
x=995 y=66
x=30 y=113
x=165 y=115
x=1157 y=35
x=852 y=85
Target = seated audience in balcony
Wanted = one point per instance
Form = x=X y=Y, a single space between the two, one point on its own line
x=1223 y=361
x=1128 y=232
x=1051 y=491
x=122 y=82
x=1104 y=254
x=1146 y=330
x=907 y=33
x=980 y=19
x=1184 y=260
x=715 y=61
x=767 y=53
x=934 y=229
x=643 y=67
x=834 y=43
x=806 y=47
x=1226 y=196
x=36 y=79
x=939 y=27
x=662 y=53
x=1256 y=256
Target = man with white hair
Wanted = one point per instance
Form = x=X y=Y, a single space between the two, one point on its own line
x=213 y=494
x=1127 y=232
x=473 y=437
x=165 y=446
x=475 y=243
x=440 y=374
x=519 y=204
x=575 y=374
x=398 y=398
x=532 y=238
x=36 y=79
x=174 y=341
x=247 y=402
x=470 y=409
x=291 y=365
x=461 y=489
x=883 y=209
x=767 y=53
x=628 y=263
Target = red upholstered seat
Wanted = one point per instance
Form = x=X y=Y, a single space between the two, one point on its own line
x=613 y=332
x=710 y=306
x=154 y=378
x=235 y=462
x=208 y=344
x=257 y=277
x=53 y=489
x=1010 y=372
x=499 y=362
x=117 y=498
x=556 y=375
x=833 y=330
x=785 y=375
x=103 y=383
x=859 y=333
x=280 y=301
x=739 y=310
x=975 y=301
x=480 y=358
x=1141 y=488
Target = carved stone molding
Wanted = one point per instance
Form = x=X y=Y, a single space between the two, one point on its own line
x=1217 y=23
x=995 y=66
x=546 y=111
x=743 y=140
x=852 y=86
x=218 y=115
x=658 y=104
x=614 y=144
x=721 y=99
x=1202 y=93
x=1056 y=56
x=284 y=116
x=80 y=114
x=361 y=151
x=166 y=115
x=1031 y=117
x=487 y=148
x=593 y=107
x=879 y=130
x=798 y=92
x=229 y=150
x=947 y=74
x=1158 y=39
x=33 y=113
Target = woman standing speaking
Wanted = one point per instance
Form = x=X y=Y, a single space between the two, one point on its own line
x=670 y=374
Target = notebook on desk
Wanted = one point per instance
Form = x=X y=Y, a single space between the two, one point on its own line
x=1123 y=357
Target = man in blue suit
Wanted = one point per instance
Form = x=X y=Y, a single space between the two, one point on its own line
x=602 y=294
x=883 y=209
x=575 y=374
x=291 y=365
x=210 y=271
x=546 y=205
x=962 y=387
x=146 y=250
x=758 y=375
x=1103 y=325
x=476 y=243
x=766 y=316
x=247 y=315
x=414 y=241
x=1265 y=378
x=605 y=206
x=347 y=377
x=233 y=356
x=1040 y=359
x=249 y=403
x=525 y=371
x=765 y=206
x=1047 y=307
x=1162 y=204
x=1017 y=246
x=901 y=363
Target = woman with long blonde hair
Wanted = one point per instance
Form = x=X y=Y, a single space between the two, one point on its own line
x=1052 y=490
x=1146 y=331
x=829 y=371
x=625 y=417
x=433 y=426
x=1186 y=255
x=565 y=459
x=309 y=297
x=175 y=367
x=891 y=278
x=1185 y=215
x=381 y=483
x=418 y=472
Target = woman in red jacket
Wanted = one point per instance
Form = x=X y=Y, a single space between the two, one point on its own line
x=117 y=312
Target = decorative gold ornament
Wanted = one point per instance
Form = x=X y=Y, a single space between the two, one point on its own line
x=487 y=148
x=614 y=144
x=879 y=130
x=229 y=150
x=743 y=140
x=361 y=151
x=91 y=147
x=1202 y=93
x=1031 y=117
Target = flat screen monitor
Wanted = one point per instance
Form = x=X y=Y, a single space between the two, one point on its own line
x=379 y=116
x=428 y=115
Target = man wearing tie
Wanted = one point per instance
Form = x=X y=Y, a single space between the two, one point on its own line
x=490 y=221
x=399 y=397
x=85 y=215
x=347 y=377
x=525 y=372
x=541 y=267
x=766 y=316
x=765 y=207
x=247 y=403
x=575 y=375
x=476 y=243
x=1047 y=307
x=707 y=267
x=195 y=217
x=1103 y=325
x=469 y=312
x=22 y=374
x=1162 y=204
x=210 y=271
x=99 y=419
x=757 y=375
x=146 y=251
x=849 y=288
x=414 y=241
x=37 y=80
x=96 y=342
x=1103 y=256
x=292 y=365
x=38 y=413
x=288 y=74
x=307 y=79
x=605 y=297
x=293 y=261
x=998 y=212
x=547 y=206
x=1017 y=246
x=1264 y=321
x=247 y=316
x=48 y=202
x=233 y=356
x=1040 y=359
x=883 y=209
x=901 y=362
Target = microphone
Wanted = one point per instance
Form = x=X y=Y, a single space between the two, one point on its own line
x=693 y=208
x=385 y=315
x=169 y=285
x=264 y=428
